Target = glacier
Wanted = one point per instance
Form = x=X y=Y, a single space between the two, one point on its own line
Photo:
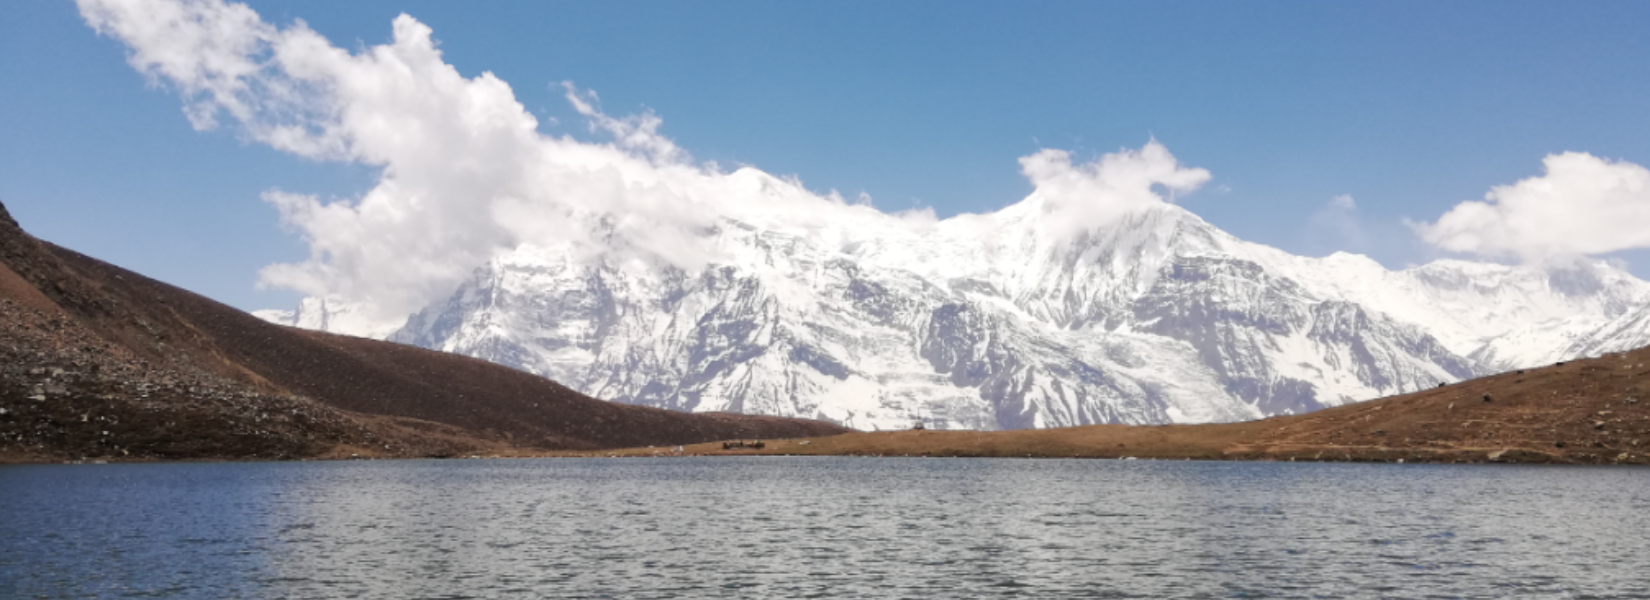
x=998 y=321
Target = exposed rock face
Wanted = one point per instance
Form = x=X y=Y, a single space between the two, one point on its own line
x=1005 y=320
x=1157 y=318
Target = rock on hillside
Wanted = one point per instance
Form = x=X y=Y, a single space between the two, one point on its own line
x=99 y=361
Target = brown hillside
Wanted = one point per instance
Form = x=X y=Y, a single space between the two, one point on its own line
x=1585 y=411
x=100 y=361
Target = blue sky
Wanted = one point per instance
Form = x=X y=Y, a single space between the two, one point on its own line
x=1408 y=107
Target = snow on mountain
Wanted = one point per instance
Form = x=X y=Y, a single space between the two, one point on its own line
x=998 y=321
x=1629 y=331
x=278 y=317
x=333 y=315
x=1503 y=317
x=976 y=322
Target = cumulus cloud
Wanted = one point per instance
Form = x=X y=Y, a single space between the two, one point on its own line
x=1081 y=196
x=1582 y=205
x=465 y=175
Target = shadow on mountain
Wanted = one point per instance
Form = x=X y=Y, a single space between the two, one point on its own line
x=98 y=361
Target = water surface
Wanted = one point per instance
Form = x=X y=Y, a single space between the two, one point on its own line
x=777 y=527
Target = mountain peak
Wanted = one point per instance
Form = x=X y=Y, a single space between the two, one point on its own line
x=1001 y=320
x=6 y=222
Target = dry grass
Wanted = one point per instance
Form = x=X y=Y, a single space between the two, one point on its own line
x=1586 y=411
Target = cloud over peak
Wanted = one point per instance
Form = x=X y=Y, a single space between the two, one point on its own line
x=1081 y=196
x=1581 y=205
x=465 y=175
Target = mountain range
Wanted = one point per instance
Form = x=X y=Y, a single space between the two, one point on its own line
x=1005 y=321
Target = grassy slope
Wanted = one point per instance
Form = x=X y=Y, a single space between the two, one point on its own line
x=1585 y=411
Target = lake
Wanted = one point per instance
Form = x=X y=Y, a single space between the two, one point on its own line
x=781 y=527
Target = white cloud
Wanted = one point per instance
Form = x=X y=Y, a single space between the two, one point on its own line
x=465 y=172
x=466 y=175
x=1582 y=205
x=208 y=49
x=1080 y=197
x=638 y=132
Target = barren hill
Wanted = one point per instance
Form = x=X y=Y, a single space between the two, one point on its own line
x=97 y=361
x=1586 y=411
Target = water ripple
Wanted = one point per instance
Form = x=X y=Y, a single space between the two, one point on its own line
x=820 y=528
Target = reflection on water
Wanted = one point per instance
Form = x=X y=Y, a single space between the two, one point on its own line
x=820 y=527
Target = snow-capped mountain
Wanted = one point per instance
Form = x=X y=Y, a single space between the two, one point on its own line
x=994 y=322
x=332 y=314
x=1502 y=317
x=1629 y=331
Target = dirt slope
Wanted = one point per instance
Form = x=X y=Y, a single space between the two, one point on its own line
x=98 y=361
x=1586 y=411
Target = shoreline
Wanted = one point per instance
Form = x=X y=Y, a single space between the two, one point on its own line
x=933 y=444
x=926 y=444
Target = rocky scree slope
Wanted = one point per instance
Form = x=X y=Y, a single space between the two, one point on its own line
x=96 y=361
